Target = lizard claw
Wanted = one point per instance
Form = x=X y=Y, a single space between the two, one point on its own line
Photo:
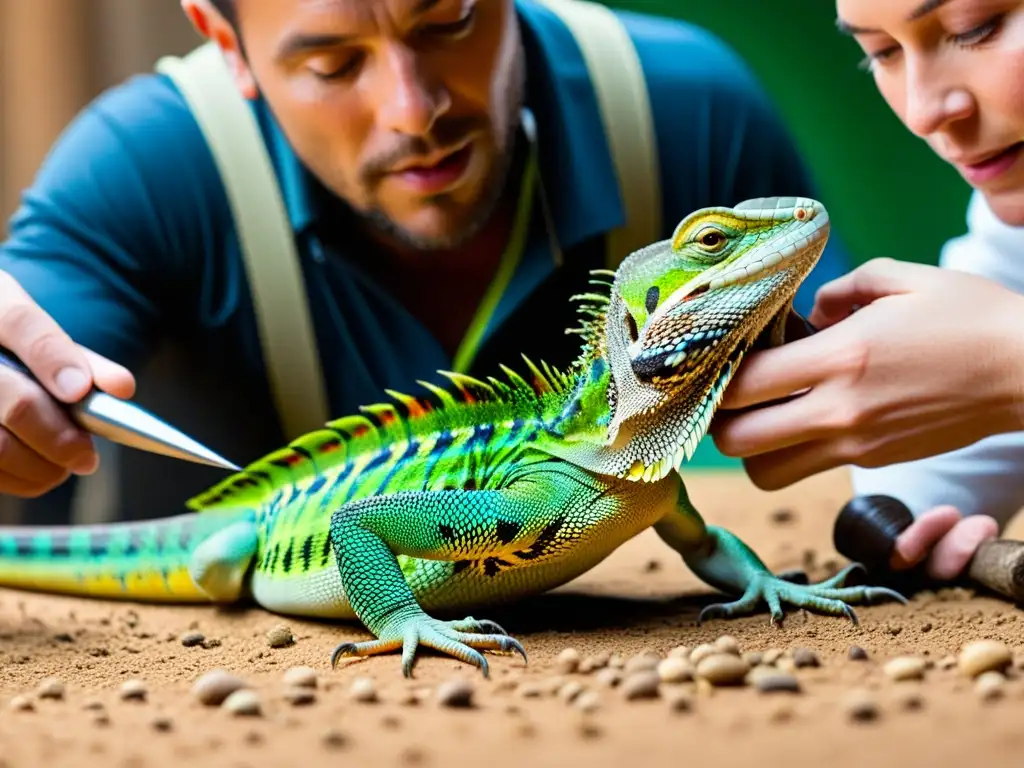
x=828 y=597
x=463 y=639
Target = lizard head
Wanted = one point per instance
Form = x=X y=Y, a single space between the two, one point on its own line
x=683 y=312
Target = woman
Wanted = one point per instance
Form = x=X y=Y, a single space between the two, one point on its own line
x=922 y=389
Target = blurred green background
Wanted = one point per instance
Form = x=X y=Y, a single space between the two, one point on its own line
x=887 y=193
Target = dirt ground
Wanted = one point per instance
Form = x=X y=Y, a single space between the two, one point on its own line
x=642 y=599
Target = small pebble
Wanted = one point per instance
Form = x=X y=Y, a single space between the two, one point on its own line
x=50 y=688
x=805 y=657
x=455 y=693
x=608 y=677
x=215 y=686
x=771 y=656
x=947 y=662
x=989 y=685
x=782 y=515
x=857 y=653
x=192 y=639
x=530 y=690
x=568 y=661
x=570 y=691
x=677 y=698
x=723 y=669
x=701 y=652
x=22 y=704
x=908 y=697
x=781 y=712
x=244 y=701
x=727 y=644
x=280 y=636
x=642 y=662
x=674 y=670
x=753 y=658
x=301 y=677
x=592 y=664
x=905 y=668
x=640 y=685
x=162 y=723
x=859 y=705
x=363 y=690
x=298 y=695
x=93 y=705
x=588 y=701
x=786 y=664
x=133 y=690
x=776 y=682
x=335 y=739
x=980 y=656
x=680 y=652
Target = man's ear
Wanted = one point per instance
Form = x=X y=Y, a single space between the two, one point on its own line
x=209 y=23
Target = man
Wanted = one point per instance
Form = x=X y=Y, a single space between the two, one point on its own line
x=395 y=131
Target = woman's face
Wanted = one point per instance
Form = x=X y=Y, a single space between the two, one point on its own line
x=953 y=71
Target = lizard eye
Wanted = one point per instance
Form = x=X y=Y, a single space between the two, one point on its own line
x=711 y=239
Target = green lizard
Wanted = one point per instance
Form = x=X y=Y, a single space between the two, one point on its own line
x=496 y=489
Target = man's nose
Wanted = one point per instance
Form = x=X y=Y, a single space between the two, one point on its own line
x=409 y=99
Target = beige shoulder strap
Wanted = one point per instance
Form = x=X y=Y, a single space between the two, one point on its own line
x=264 y=233
x=265 y=236
x=621 y=88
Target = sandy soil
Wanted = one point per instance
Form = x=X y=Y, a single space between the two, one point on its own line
x=641 y=599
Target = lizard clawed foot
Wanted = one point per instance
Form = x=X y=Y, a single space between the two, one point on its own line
x=463 y=639
x=828 y=597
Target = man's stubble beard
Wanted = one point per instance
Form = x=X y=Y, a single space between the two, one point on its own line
x=494 y=186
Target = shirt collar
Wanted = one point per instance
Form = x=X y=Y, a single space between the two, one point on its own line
x=575 y=164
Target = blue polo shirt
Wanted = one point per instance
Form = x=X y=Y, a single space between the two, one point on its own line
x=125 y=236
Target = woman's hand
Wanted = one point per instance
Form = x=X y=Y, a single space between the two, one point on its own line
x=932 y=360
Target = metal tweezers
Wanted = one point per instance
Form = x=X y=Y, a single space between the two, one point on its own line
x=126 y=423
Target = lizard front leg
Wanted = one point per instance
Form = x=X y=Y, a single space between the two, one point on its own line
x=722 y=560
x=368 y=534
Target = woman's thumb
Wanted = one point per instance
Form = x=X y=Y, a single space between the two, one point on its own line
x=873 y=280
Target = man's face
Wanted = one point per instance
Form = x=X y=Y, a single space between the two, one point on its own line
x=405 y=108
x=954 y=74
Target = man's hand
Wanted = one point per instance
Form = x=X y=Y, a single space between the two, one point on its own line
x=39 y=444
x=932 y=361
x=944 y=538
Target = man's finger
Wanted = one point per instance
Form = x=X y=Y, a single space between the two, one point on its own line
x=38 y=421
x=112 y=378
x=31 y=334
x=914 y=544
x=954 y=551
x=18 y=460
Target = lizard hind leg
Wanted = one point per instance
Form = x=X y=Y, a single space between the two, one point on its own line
x=369 y=534
x=220 y=563
x=722 y=560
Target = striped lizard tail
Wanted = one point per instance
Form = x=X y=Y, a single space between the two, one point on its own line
x=145 y=560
